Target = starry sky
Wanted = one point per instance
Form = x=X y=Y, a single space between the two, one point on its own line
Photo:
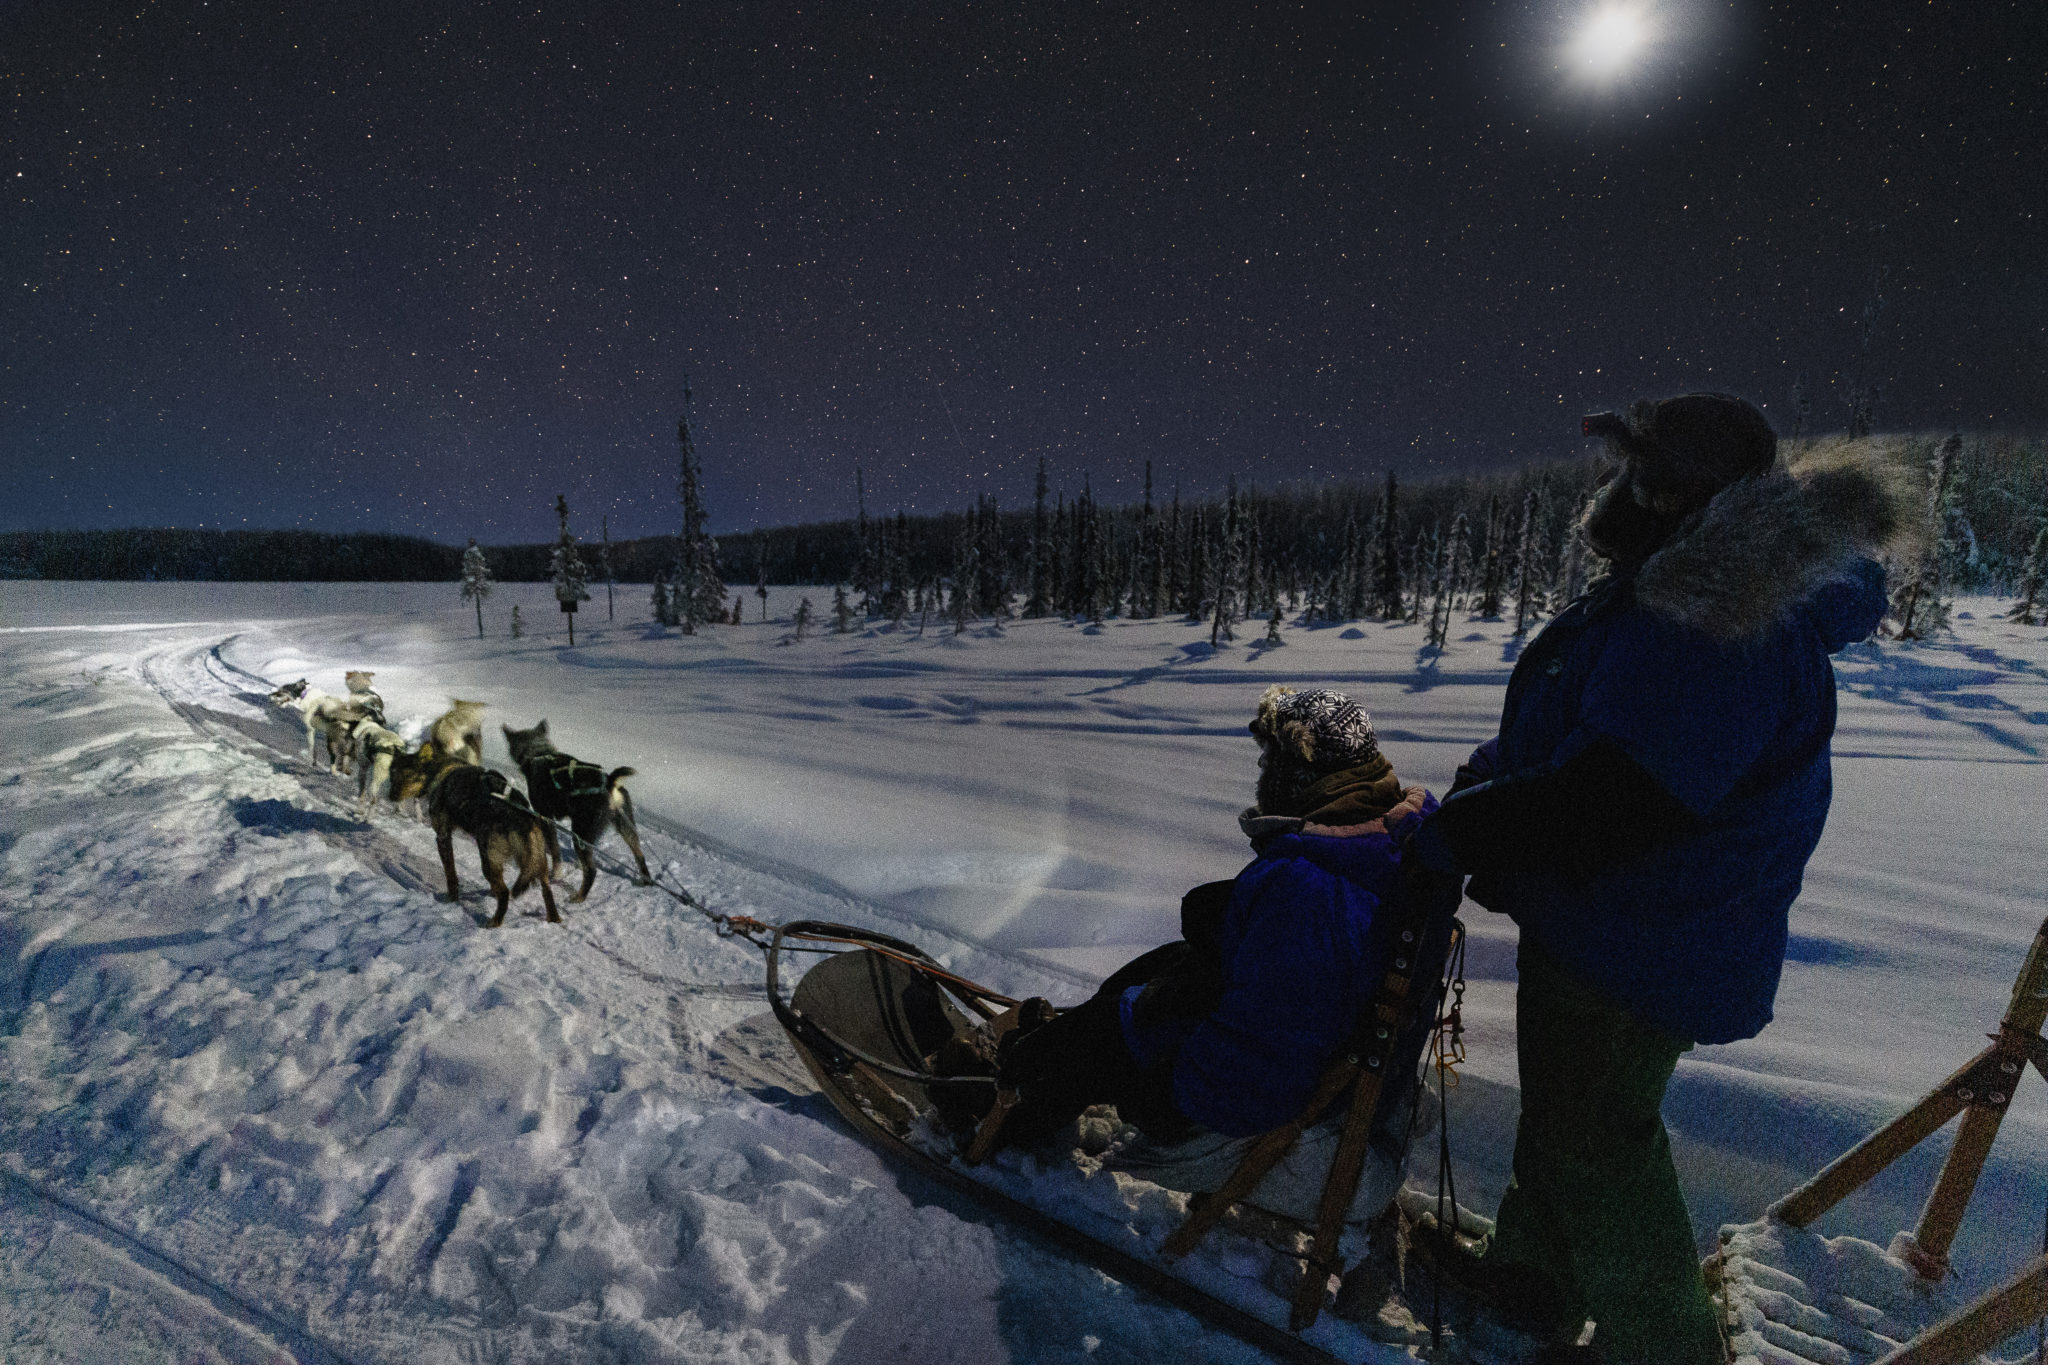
x=417 y=267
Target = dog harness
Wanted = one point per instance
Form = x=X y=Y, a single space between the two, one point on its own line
x=572 y=776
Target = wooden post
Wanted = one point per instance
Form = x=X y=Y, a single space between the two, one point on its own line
x=1855 y=1168
x=2003 y=1313
x=1981 y=1091
x=1988 y=1091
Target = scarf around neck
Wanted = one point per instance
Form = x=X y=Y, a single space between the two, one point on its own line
x=1342 y=800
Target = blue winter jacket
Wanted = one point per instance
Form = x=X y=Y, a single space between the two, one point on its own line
x=1689 y=936
x=1300 y=964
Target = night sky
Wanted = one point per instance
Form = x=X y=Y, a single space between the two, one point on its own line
x=418 y=267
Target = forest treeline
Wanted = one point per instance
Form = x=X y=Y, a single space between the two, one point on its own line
x=1339 y=546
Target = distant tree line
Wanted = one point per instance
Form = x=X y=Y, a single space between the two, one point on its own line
x=1494 y=545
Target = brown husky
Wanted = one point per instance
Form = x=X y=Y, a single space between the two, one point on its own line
x=586 y=795
x=490 y=810
x=460 y=733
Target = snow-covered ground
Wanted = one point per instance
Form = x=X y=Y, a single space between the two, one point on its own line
x=264 y=1094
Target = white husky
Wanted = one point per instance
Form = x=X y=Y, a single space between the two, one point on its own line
x=331 y=716
x=374 y=747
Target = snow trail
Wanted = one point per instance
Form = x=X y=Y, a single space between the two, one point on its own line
x=237 y=1027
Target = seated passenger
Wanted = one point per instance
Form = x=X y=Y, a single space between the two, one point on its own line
x=1205 y=1043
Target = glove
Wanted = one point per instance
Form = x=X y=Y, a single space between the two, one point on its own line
x=1020 y=1061
x=1428 y=847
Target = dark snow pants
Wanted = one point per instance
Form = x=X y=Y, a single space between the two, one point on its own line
x=1080 y=1059
x=1593 y=1210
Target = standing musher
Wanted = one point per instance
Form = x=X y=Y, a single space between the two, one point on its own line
x=1645 y=815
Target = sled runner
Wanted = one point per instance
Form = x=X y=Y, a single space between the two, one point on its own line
x=868 y=1023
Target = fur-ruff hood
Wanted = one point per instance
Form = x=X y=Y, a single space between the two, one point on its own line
x=1764 y=545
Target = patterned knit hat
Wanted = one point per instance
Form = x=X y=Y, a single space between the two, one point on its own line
x=1320 y=730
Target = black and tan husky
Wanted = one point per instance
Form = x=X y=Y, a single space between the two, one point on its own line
x=489 y=809
x=586 y=795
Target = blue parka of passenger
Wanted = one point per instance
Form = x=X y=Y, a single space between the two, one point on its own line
x=1716 y=681
x=1300 y=963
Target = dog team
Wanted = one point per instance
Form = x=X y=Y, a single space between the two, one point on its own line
x=446 y=776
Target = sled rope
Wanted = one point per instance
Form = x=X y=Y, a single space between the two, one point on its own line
x=1447 y=1049
x=808 y=931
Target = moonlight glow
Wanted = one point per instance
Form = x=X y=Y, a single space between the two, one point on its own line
x=1610 y=41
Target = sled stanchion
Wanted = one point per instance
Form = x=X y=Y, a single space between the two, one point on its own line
x=2001 y=1314
x=1856 y=1167
x=1981 y=1091
x=1361 y=1069
x=1339 y=1188
x=991 y=1127
x=1263 y=1156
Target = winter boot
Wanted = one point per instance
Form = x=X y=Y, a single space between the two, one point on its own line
x=1516 y=1297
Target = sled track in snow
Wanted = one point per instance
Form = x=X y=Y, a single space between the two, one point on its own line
x=243 y=732
x=227 y=705
x=116 y=1244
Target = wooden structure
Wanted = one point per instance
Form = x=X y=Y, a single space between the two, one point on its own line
x=1981 y=1092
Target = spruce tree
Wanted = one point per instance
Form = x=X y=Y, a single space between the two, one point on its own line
x=518 y=627
x=1386 y=586
x=476 y=581
x=1457 y=569
x=1273 y=628
x=805 y=614
x=1347 y=599
x=761 y=573
x=1151 y=571
x=1229 y=554
x=696 y=584
x=1254 y=597
x=1528 y=565
x=966 y=573
x=899 y=568
x=1196 y=585
x=863 y=547
x=1415 y=572
x=1038 y=599
x=1918 y=606
x=1095 y=586
x=1059 y=576
x=565 y=569
x=1493 y=560
x=1571 y=565
x=660 y=601
x=1174 y=555
x=604 y=562
x=992 y=572
x=842 y=610
x=2027 y=611
x=1437 y=573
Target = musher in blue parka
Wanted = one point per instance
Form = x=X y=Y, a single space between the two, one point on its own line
x=1645 y=815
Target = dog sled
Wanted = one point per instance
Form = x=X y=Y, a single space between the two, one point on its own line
x=872 y=1020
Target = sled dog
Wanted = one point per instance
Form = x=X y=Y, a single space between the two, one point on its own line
x=375 y=748
x=460 y=733
x=323 y=715
x=361 y=694
x=562 y=787
x=409 y=775
x=489 y=809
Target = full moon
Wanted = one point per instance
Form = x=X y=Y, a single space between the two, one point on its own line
x=1610 y=39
